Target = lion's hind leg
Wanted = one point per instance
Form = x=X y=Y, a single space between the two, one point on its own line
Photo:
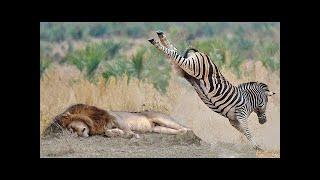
x=166 y=130
x=121 y=125
x=169 y=124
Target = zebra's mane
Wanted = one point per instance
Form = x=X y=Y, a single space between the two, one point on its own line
x=252 y=84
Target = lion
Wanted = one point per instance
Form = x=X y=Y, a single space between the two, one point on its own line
x=94 y=118
x=144 y=122
x=78 y=128
x=84 y=120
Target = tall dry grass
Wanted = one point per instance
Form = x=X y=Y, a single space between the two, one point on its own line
x=62 y=86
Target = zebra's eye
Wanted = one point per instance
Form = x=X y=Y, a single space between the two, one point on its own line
x=83 y=129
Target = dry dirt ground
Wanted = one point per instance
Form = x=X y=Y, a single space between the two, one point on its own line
x=150 y=145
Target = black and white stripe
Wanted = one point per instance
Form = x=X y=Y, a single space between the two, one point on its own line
x=233 y=102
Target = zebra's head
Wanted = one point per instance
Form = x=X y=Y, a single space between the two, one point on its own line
x=266 y=89
x=262 y=102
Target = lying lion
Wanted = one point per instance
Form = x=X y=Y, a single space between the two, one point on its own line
x=84 y=120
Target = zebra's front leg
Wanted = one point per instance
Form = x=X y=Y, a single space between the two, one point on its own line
x=242 y=126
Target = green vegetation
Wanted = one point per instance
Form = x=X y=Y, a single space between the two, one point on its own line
x=44 y=62
x=228 y=45
x=90 y=57
x=216 y=49
x=144 y=65
x=269 y=54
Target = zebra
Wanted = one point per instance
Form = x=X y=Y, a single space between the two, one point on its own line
x=233 y=102
x=257 y=93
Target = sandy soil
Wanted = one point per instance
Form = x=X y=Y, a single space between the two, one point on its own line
x=150 y=145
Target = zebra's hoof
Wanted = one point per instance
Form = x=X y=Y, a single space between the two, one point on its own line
x=160 y=33
x=151 y=40
x=257 y=148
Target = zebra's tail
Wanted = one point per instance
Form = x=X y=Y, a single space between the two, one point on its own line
x=188 y=50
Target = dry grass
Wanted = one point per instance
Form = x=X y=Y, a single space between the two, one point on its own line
x=62 y=86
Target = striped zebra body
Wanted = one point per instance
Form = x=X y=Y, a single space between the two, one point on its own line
x=211 y=86
x=221 y=107
x=233 y=102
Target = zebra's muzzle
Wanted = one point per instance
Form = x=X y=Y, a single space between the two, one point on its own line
x=262 y=120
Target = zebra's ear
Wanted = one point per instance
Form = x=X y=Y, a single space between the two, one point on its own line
x=270 y=93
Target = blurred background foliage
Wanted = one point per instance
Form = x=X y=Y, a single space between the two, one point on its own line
x=114 y=49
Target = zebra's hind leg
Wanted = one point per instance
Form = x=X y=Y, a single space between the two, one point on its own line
x=242 y=126
x=164 y=41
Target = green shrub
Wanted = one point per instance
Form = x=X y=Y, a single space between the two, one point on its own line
x=144 y=65
x=112 y=48
x=121 y=66
x=57 y=33
x=135 y=31
x=235 y=63
x=76 y=32
x=98 y=30
x=269 y=54
x=87 y=59
x=117 y=69
x=156 y=69
x=137 y=61
x=214 y=48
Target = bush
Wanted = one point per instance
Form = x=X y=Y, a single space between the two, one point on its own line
x=235 y=63
x=76 y=32
x=117 y=69
x=156 y=69
x=111 y=48
x=134 y=31
x=98 y=30
x=88 y=58
x=269 y=54
x=137 y=61
x=214 y=48
x=144 y=65
x=56 y=33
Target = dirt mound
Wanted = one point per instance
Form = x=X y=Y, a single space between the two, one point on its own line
x=150 y=145
x=164 y=140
